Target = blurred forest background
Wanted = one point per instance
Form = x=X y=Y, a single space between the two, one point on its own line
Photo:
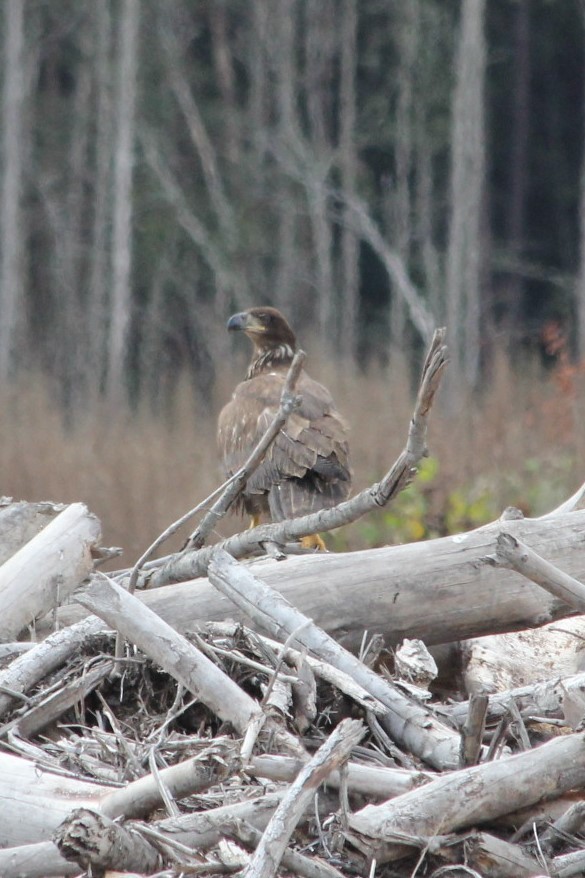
x=372 y=168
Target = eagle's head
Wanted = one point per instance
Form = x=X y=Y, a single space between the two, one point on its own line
x=265 y=327
x=273 y=339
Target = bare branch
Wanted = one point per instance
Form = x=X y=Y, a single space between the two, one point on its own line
x=189 y=566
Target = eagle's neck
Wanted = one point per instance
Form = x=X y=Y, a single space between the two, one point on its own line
x=269 y=358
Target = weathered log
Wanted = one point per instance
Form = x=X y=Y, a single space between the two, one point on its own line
x=40 y=575
x=41 y=860
x=374 y=782
x=407 y=721
x=20 y=521
x=332 y=754
x=43 y=658
x=439 y=591
x=171 y=651
x=488 y=855
x=94 y=841
x=33 y=801
x=502 y=661
x=470 y=796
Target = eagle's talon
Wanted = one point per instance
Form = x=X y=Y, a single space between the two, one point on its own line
x=313 y=541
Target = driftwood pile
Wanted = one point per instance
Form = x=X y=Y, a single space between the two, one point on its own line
x=224 y=724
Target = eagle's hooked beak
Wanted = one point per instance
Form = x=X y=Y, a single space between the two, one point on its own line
x=244 y=321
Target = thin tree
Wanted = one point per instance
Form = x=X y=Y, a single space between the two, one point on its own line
x=127 y=64
x=349 y=243
x=99 y=270
x=464 y=258
x=518 y=179
x=11 y=221
x=580 y=280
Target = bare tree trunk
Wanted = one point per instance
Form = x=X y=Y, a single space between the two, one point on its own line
x=467 y=184
x=122 y=219
x=348 y=162
x=11 y=223
x=99 y=263
x=319 y=59
x=580 y=290
x=73 y=332
x=222 y=60
x=283 y=59
x=401 y=201
x=518 y=164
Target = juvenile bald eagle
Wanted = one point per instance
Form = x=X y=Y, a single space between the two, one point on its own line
x=307 y=467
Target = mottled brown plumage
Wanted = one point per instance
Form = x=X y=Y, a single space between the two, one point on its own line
x=307 y=467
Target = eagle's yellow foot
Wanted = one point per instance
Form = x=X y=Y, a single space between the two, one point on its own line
x=254 y=522
x=313 y=541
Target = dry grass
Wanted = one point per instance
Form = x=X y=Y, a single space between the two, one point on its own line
x=521 y=442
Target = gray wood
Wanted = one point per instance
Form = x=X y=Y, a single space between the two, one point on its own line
x=439 y=591
x=171 y=651
x=46 y=569
x=464 y=798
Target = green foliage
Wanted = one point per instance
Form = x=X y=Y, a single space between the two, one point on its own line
x=424 y=511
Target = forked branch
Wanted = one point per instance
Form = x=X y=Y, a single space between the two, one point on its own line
x=193 y=564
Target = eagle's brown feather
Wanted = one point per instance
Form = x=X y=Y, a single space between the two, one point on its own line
x=307 y=467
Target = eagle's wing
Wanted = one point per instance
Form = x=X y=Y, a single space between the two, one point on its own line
x=307 y=467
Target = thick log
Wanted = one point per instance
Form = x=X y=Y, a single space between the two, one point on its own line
x=92 y=840
x=43 y=658
x=439 y=591
x=20 y=521
x=409 y=722
x=41 y=860
x=33 y=802
x=171 y=651
x=40 y=575
x=506 y=661
x=470 y=796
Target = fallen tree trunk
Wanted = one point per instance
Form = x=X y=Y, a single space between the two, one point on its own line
x=40 y=575
x=465 y=798
x=439 y=591
x=33 y=801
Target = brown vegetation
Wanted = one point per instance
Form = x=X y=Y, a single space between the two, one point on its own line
x=518 y=443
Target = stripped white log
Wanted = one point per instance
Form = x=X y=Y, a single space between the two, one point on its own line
x=406 y=720
x=171 y=651
x=34 y=801
x=470 y=796
x=47 y=569
x=439 y=590
x=20 y=521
